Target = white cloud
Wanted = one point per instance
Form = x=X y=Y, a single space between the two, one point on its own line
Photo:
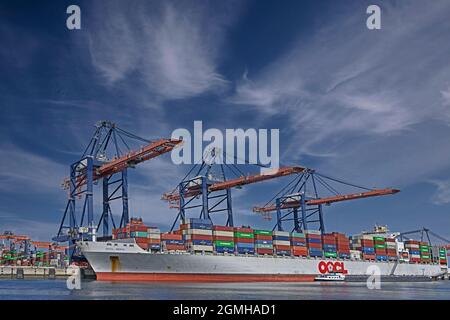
x=25 y=171
x=171 y=47
x=442 y=193
x=356 y=96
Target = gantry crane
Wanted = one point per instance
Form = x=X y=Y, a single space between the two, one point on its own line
x=302 y=194
x=214 y=188
x=107 y=157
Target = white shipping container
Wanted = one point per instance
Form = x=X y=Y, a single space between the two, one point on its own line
x=410 y=245
x=281 y=233
x=223 y=233
x=154 y=236
x=312 y=232
x=355 y=254
x=199 y=231
x=153 y=230
x=200 y=248
x=281 y=243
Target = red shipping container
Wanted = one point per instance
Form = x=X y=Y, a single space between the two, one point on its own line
x=222 y=238
x=243 y=240
x=264 y=251
x=262 y=237
x=282 y=247
x=223 y=228
x=314 y=245
x=299 y=253
x=171 y=236
x=174 y=247
x=297 y=239
x=201 y=237
x=332 y=242
x=184 y=226
x=313 y=236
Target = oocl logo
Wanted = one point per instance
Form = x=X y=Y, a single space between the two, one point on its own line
x=332 y=267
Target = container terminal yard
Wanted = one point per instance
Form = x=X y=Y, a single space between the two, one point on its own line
x=297 y=248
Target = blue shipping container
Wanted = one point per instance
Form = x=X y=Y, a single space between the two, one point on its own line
x=314 y=240
x=246 y=250
x=224 y=249
x=201 y=226
x=263 y=241
x=381 y=258
x=329 y=246
x=298 y=244
x=368 y=250
x=202 y=242
x=283 y=252
x=244 y=245
x=201 y=221
x=173 y=241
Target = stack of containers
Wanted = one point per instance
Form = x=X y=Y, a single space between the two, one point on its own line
x=154 y=239
x=425 y=255
x=314 y=243
x=223 y=239
x=380 y=248
x=442 y=256
x=139 y=233
x=365 y=244
x=329 y=245
x=263 y=242
x=198 y=234
x=281 y=243
x=298 y=244
x=244 y=240
x=391 y=249
x=172 y=241
x=413 y=247
x=342 y=245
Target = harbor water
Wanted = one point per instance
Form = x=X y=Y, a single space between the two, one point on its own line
x=57 y=290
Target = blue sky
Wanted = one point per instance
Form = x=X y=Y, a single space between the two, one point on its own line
x=371 y=107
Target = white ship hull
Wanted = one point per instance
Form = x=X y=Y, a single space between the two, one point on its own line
x=128 y=262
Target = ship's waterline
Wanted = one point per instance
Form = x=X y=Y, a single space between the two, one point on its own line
x=127 y=262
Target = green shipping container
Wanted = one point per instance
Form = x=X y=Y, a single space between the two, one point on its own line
x=380 y=246
x=139 y=234
x=246 y=235
x=425 y=256
x=297 y=235
x=263 y=232
x=424 y=249
x=379 y=239
x=330 y=254
x=224 y=243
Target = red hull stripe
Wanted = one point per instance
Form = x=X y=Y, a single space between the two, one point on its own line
x=191 y=277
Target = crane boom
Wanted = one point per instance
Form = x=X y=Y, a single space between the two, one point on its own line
x=134 y=157
x=130 y=159
x=242 y=180
x=328 y=200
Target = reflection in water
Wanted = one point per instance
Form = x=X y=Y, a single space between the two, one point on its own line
x=56 y=289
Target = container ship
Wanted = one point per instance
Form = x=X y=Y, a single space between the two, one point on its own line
x=202 y=252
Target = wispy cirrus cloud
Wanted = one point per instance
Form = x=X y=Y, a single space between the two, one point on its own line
x=346 y=88
x=162 y=44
